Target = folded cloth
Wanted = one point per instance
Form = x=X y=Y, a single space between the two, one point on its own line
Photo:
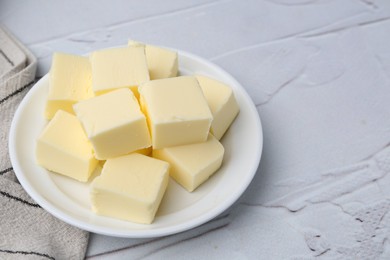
x=27 y=231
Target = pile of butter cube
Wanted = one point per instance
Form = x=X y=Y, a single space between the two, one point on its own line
x=126 y=108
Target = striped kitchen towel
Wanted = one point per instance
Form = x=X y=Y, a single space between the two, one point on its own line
x=27 y=231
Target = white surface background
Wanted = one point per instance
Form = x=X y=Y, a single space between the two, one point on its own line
x=319 y=73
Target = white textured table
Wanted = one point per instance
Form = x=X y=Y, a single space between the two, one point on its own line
x=319 y=73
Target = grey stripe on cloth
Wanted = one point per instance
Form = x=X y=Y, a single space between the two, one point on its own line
x=27 y=231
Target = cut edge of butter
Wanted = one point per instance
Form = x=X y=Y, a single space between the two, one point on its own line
x=176 y=110
x=162 y=62
x=193 y=164
x=70 y=81
x=222 y=102
x=114 y=123
x=120 y=67
x=63 y=147
x=122 y=190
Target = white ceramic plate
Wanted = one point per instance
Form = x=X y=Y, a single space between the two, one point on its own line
x=68 y=199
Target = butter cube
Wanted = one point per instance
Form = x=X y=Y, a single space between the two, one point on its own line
x=130 y=187
x=162 y=63
x=123 y=67
x=222 y=103
x=114 y=123
x=64 y=148
x=70 y=80
x=177 y=111
x=191 y=165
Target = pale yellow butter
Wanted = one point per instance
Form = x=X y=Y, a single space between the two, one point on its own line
x=114 y=123
x=70 y=80
x=123 y=67
x=162 y=63
x=177 y=111
x=64 y=148
x=192 y=165
x=222 y=103
x=130 y=187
